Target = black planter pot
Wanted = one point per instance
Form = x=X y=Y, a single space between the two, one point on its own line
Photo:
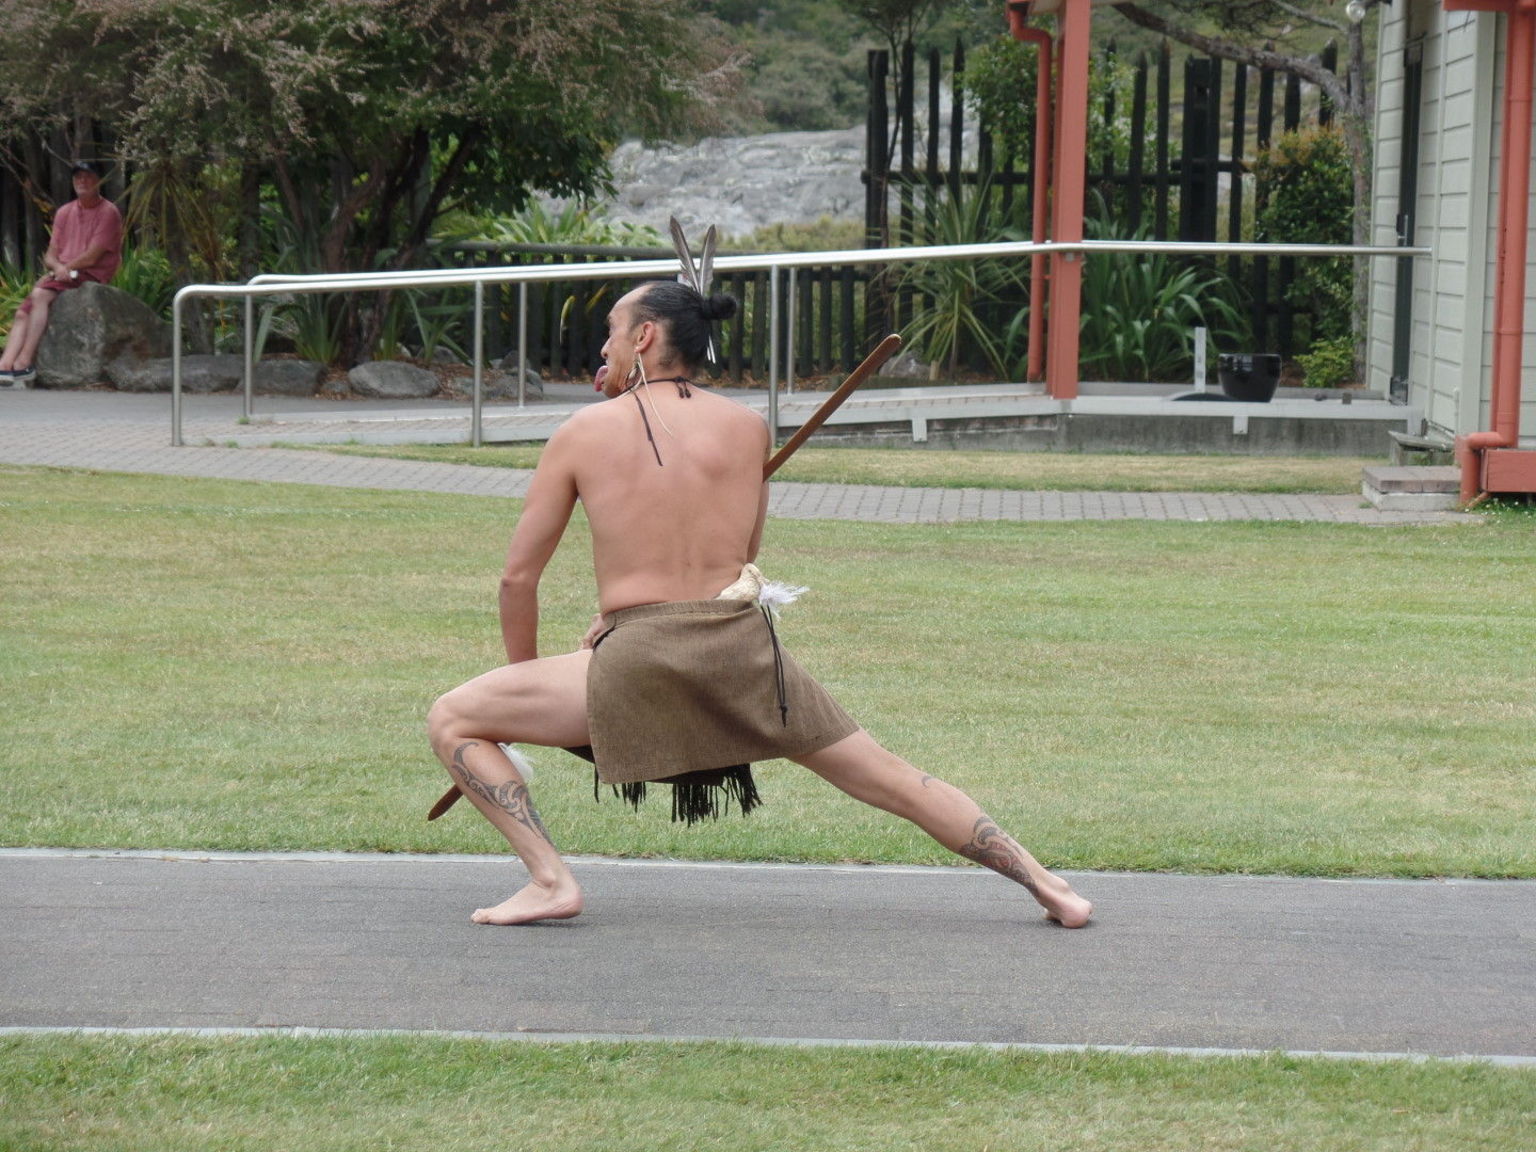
x=1249 y=376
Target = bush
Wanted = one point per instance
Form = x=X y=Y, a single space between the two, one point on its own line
x=1140 y=311
x=1306 y=186
x=1330 y=364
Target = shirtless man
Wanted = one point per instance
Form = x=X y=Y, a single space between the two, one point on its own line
x=671 y=479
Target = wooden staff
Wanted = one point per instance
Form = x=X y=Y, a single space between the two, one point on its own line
x=870 y=365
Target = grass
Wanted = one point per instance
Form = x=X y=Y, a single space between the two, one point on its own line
x=73 y=1093
x=205 y=664
x=1026 y=471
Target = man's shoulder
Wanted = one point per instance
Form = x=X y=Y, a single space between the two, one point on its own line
x=734 y=410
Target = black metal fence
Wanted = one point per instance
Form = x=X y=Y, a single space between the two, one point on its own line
x=566 y=321
x=1194 y=127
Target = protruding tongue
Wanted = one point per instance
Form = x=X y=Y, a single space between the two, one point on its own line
x=597 y=381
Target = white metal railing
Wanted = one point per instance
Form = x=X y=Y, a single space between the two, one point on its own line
x=275 y=284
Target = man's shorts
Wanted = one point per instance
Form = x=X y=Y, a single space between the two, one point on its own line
x=54 y=286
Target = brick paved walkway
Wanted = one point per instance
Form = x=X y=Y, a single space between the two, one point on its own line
x=126 y=433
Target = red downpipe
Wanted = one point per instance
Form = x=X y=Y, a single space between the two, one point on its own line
x=1514 y=219
x=1043 y=112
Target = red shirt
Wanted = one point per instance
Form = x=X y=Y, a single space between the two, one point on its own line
x=77 y=229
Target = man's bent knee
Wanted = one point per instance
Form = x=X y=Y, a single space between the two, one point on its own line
x=443 y=721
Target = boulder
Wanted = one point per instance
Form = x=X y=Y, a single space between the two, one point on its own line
x=392 y=380
x=288 y=377
x=198 y=374
x=502 y=384
x=92 y=326
x=215 y=374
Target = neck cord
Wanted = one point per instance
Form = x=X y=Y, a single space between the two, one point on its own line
x=683 y=392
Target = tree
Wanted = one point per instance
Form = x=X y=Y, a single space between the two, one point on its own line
x=370 y=118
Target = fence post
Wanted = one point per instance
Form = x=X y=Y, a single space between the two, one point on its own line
x=479 y=355
x=773 y=355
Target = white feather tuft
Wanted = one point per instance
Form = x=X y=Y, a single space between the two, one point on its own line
x=773 y=595
x=523 y=765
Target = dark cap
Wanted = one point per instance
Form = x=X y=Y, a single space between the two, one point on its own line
x=90 y=166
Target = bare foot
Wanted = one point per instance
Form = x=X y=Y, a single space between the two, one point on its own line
x=534 y=902
x=1061 y=904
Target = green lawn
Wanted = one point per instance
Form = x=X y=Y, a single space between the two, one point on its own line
x=142 y=1094
x=201 y=664
x=1027 y=471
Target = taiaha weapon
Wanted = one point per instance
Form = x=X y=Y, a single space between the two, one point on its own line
x=870 y=365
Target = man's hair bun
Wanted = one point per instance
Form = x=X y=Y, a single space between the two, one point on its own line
x=719 y=307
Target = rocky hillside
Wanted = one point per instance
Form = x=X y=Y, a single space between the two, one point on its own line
x=740 y=183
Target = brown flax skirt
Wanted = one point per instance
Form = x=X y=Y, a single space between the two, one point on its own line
x=700 y=685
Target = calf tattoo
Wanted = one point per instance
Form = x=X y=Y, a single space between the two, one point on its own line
x=511 y=797
x=993 y=848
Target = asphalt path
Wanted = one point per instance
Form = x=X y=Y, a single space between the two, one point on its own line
x=768 y=952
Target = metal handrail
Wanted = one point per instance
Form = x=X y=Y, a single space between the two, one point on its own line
x=276 y=284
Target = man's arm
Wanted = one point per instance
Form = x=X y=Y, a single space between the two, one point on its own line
x=51 y=259
x=86 y=259
x=546 y=511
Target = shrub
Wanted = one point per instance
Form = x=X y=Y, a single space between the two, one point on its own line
x=1306 y=186
x=1330 y=364
x=960 y=294
x=1140 y=311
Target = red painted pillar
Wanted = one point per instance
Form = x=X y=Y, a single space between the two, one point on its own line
x=1070 y=170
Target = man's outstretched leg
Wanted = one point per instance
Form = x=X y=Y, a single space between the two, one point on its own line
x=866 y=771
x=537 y=702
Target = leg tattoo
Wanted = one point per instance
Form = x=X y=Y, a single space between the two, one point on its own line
x=993 y=848
x=511 y=797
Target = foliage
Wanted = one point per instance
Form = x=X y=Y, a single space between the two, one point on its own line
x=1000 y=85
x=371 y=117
x=957 y=292
x=1139 y=311
x=574 y=223
x=15 y=283
x=1304 y=182
x=826 y=234
x=146 y=275
x=1330 y=363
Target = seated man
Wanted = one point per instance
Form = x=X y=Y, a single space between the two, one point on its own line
x=87 y=246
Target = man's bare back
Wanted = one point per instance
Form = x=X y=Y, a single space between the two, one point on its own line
x=678 y=530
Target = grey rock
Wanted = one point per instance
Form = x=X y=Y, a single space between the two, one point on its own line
x=214 y=374
x=744 y=183
x=392 y=380
x=288 y=377
x=906 y=367
x=503 y=385
x=199 y=373
x=92 y=326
